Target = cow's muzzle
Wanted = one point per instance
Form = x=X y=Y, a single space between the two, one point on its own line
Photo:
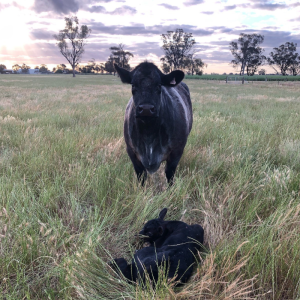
x=146 y=110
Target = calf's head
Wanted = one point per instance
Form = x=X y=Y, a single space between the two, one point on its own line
x=146 y=80
x=154 y=229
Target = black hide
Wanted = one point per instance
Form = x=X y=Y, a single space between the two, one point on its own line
x=158 y=119
x=174 y=245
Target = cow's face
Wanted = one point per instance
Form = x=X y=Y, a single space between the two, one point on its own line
x=147 y=81
x=146 y=92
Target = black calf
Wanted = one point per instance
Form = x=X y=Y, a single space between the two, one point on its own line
x=173 y=243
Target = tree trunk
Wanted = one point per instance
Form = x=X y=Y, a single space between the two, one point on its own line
x=73 y=71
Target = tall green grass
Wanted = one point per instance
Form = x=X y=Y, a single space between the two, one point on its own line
x=70 y=202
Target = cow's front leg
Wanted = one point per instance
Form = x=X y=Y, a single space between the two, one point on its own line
x=171 y=166
x=140 y=170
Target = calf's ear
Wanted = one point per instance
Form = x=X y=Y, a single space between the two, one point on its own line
x=125 y=75
x=173 y=78
x=163 y=213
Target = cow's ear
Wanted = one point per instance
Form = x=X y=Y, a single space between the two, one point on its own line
x=163 y=213
x=172 y=78
x=125 y=75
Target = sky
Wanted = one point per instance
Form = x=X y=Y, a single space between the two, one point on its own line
x=27 y=28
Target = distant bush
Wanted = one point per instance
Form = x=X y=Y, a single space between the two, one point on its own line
x=247 y=78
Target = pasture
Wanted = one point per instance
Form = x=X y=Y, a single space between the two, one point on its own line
x=70 y=201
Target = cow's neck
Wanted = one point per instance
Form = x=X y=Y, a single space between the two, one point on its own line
x=149 y=128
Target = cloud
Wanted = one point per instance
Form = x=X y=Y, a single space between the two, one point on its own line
x=57 y=6
x=141 y=29
x=168 y=6
x=193 y=2
x=229 y=7
x=41 y=34
x=207 y=12
x=96 y=9
x=269 y=5
x=122 y=10
x=272 y=38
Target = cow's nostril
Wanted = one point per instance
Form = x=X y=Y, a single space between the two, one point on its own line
x=152 y=110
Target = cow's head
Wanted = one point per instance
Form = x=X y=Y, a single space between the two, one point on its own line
x=154 y=229
x=146 y=80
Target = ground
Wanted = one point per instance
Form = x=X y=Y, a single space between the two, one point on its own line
x=69 y=199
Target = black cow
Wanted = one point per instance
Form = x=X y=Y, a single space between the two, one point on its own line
x=173 y=243
x=158 y=118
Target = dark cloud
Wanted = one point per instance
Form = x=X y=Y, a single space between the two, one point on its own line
x=168 y=6
x=268 y=5
x=216 y=56
x=141 y=29
x=144 y=49
x=272 y=38
x=229 y=7
x=41 y=34
x=96 y=9
x=193 y=2
x=57 y=6
x=122 y=10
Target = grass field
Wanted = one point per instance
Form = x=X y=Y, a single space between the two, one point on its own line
x=247 y=78
x=69 y=199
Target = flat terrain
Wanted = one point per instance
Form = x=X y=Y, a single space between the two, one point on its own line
x=69 y=199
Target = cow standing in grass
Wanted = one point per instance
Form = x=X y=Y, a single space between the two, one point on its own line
x=158 y=119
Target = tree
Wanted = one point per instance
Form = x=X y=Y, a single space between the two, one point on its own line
x=250 y=56
x=36 y=67
x=2 y=68
x=16 y=68
x=25 y=68
x=109 y=65
x=43 y=68
x=262 y=72
x=193 y=65
x=177 y=46
x=99 y=68
x=284 y=57
x=165 y=68
x=294 y=69
x=71 y=41
x=121 y=57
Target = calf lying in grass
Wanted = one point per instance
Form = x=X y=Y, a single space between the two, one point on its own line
x=173 y=245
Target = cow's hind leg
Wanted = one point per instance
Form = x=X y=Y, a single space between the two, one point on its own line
x=171 y=166
x=140 y=171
